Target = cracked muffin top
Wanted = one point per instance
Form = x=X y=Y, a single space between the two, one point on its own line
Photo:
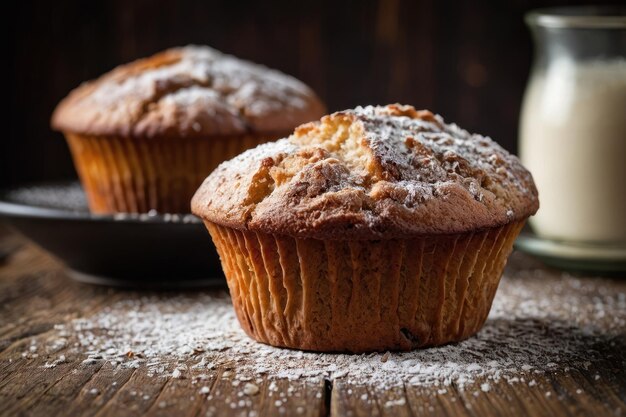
x=188 y=92
x=370 y=173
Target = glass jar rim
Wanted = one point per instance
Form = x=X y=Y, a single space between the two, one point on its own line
x=578 y=17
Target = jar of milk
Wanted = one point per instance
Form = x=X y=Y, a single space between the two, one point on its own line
x=573 y=124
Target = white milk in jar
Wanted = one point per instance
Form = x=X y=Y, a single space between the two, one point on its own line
x=573 y=141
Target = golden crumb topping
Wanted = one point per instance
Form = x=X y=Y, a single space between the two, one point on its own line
x=368 y=173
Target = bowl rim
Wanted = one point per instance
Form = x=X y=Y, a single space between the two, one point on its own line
x=10 y=208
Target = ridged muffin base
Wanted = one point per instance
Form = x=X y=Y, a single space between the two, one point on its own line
x=135 y=175
x=360 y=296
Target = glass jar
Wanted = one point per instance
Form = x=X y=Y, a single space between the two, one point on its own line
x=573 y=124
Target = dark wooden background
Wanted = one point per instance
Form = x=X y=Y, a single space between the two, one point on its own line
x=466 y=60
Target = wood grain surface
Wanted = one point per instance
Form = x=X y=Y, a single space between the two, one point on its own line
x=36 y=295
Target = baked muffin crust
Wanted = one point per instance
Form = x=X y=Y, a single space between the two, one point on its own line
x=192 y=91
x=370 y=173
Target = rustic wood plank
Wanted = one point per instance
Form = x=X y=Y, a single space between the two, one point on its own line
x=244 y=395
x=348 y=398
x=135 y=396
x=33 y=322
x=504 y=399
x=583 y=398
x=183 y=396
x=361 y=400
x=605 y=383
x=227 y=396
x=57 y=398
x=98 y=391
x=299 y=398
x=10 y=243
x=29 y=382
x=436 y=401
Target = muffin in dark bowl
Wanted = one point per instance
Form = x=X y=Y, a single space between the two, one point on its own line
x=145 y=135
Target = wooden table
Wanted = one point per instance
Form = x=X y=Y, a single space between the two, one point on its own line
x=37 y=298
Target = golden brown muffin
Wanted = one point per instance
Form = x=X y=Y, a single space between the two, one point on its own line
x=377 y=228
x=146 y=134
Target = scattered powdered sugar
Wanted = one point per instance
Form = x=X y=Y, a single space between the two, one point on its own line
x=533 y=328
x=55 y=362
x=70 y=197
x=55 y=196
x=155 y=216
x=250 y=389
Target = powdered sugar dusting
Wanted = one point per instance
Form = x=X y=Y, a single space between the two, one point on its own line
x=204 y=71
x=532 y=329
x=370 y=172
x=437 y=153
x=194 y=90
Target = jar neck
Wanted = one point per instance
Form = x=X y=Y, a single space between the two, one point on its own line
x=577 y=44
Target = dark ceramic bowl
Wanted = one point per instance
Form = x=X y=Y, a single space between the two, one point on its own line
x=148 y=250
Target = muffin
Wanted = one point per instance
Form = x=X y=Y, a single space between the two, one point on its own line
x=378 y=228
x=145 y=135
